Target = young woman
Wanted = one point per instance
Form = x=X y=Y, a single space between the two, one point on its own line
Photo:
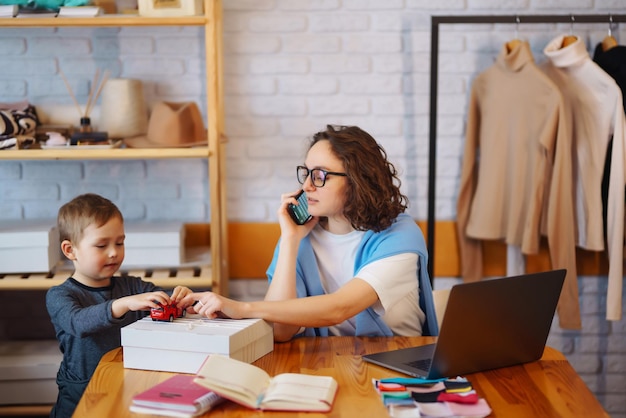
x=358 y=267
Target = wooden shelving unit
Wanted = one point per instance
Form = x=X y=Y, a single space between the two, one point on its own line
x=215 y=277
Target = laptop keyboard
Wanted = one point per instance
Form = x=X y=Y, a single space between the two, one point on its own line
x=423 y=364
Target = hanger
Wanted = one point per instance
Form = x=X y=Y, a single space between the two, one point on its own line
x=609 y=40
x=512 y=44
x=571 y=38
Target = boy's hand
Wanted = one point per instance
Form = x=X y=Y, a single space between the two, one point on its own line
x=180 y=292
x=139 y=302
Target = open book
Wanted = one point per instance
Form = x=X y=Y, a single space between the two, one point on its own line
x=251 y=386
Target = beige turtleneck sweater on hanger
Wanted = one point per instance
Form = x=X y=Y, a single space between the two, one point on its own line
x=516 y=171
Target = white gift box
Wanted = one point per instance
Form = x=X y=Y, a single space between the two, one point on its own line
x=157 y=244
x=182 y=346
x=29 y=246
x=28 y=371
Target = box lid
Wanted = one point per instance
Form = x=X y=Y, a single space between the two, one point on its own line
x=154 y=234
x=28 y=233
x=195 y=333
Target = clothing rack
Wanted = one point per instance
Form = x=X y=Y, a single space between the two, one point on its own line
x=434 y=41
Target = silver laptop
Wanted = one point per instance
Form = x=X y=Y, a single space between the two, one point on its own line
x=487 y=324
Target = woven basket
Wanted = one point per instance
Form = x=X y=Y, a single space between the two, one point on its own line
x=123 y=111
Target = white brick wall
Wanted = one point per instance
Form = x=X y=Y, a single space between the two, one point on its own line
x=292 y=66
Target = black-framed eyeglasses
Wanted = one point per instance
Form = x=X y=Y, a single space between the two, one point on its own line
x=318 y=176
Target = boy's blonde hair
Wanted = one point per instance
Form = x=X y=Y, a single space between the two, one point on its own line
x=84 y=210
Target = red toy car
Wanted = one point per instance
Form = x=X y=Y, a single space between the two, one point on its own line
x=167 y=312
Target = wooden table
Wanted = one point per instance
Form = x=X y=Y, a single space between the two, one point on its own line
x=549 y=387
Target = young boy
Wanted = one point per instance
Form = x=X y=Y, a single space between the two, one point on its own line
x=89 y=308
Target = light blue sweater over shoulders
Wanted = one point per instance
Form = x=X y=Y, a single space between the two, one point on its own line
x=403 y=236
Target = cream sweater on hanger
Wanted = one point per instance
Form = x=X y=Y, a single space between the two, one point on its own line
x=594 y=109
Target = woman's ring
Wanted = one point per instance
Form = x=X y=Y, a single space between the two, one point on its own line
x=200 y=303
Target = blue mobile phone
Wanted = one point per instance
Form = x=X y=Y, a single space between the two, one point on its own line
x=300 y=213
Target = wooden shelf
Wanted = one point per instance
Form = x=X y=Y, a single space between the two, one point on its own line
x=104 y=20
x=27 y=411
x=199 y=277
x=215 y=277
x=195 y=272
x=84 y=153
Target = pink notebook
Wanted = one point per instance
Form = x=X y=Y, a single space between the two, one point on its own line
x=178 y=393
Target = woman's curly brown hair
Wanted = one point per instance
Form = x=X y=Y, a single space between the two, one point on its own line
x=373 y=199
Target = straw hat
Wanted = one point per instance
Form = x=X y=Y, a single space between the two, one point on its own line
x=172 y=125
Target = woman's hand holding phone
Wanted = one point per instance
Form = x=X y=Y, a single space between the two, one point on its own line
x=299 y=213
x=288 y=226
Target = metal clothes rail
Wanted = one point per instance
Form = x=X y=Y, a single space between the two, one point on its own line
x=434 y=57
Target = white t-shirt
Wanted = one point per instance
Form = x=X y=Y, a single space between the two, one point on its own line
x=394 y=279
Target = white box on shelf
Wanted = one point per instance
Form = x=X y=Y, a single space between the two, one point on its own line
x=28 y=371
x=154 y=244
x=29 y=246
x=182 y=346
x=167 y=8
